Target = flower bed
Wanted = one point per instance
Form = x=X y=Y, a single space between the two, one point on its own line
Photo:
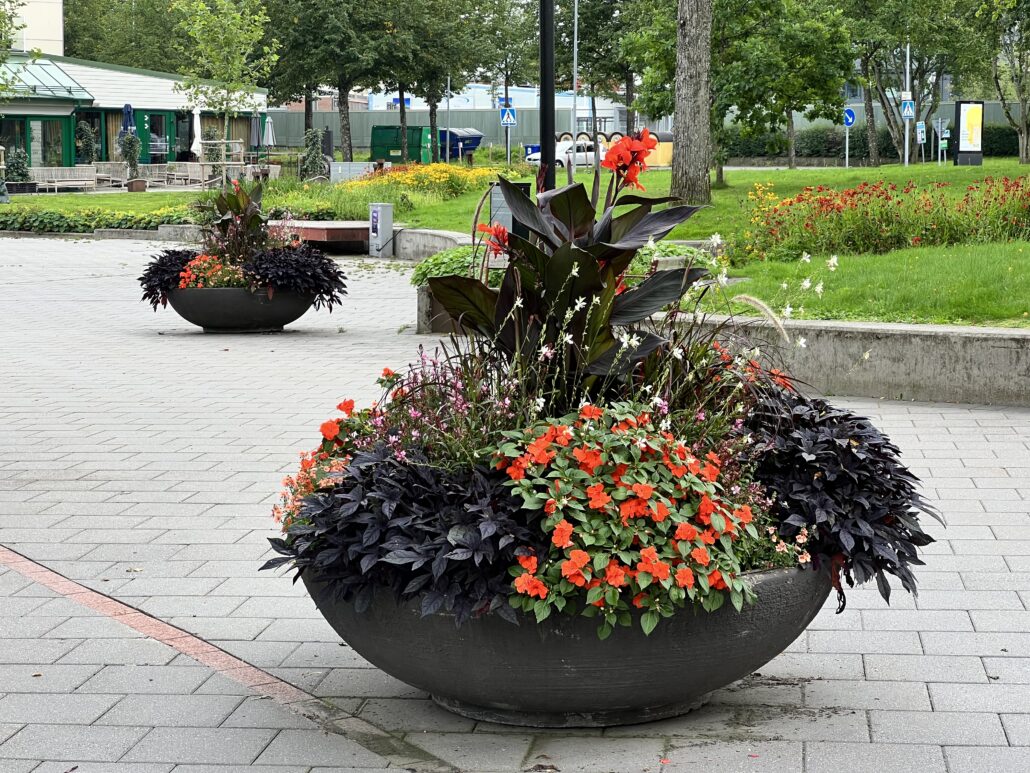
x=38 y=219
x=575 y=458
x=879 y=217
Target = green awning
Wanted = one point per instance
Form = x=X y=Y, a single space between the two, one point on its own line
x=41 y=79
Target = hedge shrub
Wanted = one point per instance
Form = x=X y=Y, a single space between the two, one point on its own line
x=85 y=220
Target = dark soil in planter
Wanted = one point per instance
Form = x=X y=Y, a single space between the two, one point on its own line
x=26 y=187
x=238 y=310
x=558 y=673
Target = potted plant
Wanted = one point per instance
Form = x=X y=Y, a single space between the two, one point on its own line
x=18 y=178
x=248 y=278
x=583 y=514
x=85 y=143
x=129 y=146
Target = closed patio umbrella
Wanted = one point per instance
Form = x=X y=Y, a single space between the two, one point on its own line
x=255 y=131
x=128 y=121
x=195 y=147
x=269 y=139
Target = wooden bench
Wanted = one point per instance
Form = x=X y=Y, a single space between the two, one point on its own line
x=57 y=177
x=111 y=172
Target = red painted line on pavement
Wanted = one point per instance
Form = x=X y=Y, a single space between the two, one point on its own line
x=184 y=642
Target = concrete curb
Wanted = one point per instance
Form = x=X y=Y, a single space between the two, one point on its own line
x=981 y=365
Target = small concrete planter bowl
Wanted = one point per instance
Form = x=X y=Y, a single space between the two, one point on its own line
x=237 y=309
x=558 y=673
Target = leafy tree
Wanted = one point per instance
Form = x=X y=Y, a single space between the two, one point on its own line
x=512 y=34
x=336 y=43
x=864 y=19
x=229 y=55
x=949 y=41
x=9 y=26
x=134 y=33
x=800 y=64
x=449 y=45
x=1008 y=28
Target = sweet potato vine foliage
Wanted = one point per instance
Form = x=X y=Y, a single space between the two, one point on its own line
x=636 y=520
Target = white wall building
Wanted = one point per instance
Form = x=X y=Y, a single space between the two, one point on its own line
x=44 y=27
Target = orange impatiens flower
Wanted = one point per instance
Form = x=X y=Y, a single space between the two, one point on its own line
x=562 y=536
x=572 y=569
x=598 y=499
x=589 y=459
x=643 y=490
x=615 y=574
x=701 y=556
x=330 y=429
x=660 y=512
x=529 y=563
x=531 y=586
x=716 y=581
x=589 y=412
x=684 y=577
x=743 y=514
x=550 y=506
x=634 y=507
x=686 y=531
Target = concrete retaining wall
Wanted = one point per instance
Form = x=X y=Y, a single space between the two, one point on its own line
x=901 y=362
x=417 y=244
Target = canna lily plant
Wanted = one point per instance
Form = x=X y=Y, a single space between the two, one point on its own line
x=563 y=298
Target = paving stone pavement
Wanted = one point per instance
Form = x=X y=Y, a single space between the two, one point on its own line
x=140 y=458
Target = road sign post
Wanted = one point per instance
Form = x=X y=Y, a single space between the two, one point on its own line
x=508 y=120
x=921 y=139
x=849 y=121
x=908 y=112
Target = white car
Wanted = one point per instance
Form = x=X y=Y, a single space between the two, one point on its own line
x=563 y=154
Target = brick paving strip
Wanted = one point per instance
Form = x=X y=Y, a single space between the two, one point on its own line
x=330 y=718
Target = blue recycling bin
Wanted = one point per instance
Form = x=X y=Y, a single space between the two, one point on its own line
x=530 y=149
x=461 y=141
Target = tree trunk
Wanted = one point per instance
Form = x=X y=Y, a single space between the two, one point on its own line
x=692 y=137
x=434 y=135
x=792 y=157
x=343 y=87
x=720 y=175
x=631 y=123
x=871 y=138
x=1024 y=150
x=404 y=123
x=309 y=109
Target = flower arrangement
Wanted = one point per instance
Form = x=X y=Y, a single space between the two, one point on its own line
x=578 y=456
x=879 y=217
x=241 y=250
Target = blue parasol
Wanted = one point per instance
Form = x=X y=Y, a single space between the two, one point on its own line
x=128 y=121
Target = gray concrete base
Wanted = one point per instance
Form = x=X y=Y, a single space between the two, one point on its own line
x=417 y=244
x=899 y=362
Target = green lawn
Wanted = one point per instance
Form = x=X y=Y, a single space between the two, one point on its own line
x=116 y=202
x=727 y=214
x=985 y=284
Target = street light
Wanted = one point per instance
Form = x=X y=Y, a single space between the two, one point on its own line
x=547 y=91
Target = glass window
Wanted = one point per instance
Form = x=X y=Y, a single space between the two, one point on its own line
x=12 y=133
x=158 y=139
x=53 y=147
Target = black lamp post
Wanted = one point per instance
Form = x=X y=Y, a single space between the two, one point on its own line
x=547 y=91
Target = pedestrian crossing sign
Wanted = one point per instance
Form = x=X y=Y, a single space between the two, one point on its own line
x=908 y=109
x=508 y=116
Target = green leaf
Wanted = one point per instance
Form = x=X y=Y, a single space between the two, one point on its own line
x=468 y=300
x=595 y=594
x=737 y=599
x=542 y=610
x=600 y=562
x=653 y=294
x=648 y=621
x=604 y=631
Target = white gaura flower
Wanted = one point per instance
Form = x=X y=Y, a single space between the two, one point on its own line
x=539 y=404
x=865 y=355
x=806 y=283
x=580 y=304
x=801 y=343
x=518 y=303
x=819 y=289
x=665 y=426
x=832 y=263
x=633 y=341
x=678 y=353
x=567 y=339
x=788 y=310
x=806 y=258
x=783 y=286
x=723 y=278
x=715 y=240
x=575 y=269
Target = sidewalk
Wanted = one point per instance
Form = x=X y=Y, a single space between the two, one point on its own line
x=140 y=458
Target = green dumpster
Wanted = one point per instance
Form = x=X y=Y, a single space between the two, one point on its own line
x=386 y=144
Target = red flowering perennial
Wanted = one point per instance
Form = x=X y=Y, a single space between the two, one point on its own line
x=636 y=520
x=626 y=158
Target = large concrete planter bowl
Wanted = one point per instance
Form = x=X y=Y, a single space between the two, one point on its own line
x=558 y=673
x=238 y=310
